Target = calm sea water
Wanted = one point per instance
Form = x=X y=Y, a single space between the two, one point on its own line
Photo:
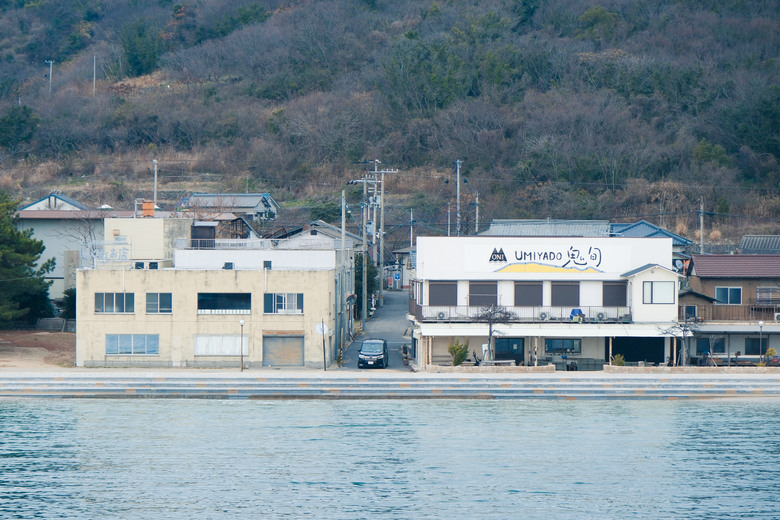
x=389 y=459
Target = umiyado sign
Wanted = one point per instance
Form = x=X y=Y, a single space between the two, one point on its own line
x=489 y=257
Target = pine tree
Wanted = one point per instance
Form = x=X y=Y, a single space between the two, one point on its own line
x=24 y=293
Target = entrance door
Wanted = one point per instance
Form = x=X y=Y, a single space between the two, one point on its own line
x=282 y=351
x=511 y=348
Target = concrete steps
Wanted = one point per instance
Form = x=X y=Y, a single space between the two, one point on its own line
x=411 y=386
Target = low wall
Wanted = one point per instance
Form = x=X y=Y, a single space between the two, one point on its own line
x=470 y=369
x=615 y=369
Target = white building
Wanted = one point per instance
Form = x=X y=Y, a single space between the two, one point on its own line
x=569 y=299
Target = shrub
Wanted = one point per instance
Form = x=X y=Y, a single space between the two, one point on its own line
x=618 y=360
x=458 y=351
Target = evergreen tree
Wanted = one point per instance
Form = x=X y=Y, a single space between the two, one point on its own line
x=24 y=293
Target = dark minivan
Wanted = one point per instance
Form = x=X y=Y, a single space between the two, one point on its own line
x=373 y=353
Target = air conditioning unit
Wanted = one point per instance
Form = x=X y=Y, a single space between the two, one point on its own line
x=544 y=316
x=777 y=316
x=442 y=315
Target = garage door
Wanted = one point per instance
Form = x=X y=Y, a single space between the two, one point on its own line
x=282 y=351
x=639 y=349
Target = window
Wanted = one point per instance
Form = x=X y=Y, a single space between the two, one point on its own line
x=483 y=294
x=767 y=295
x=752 y=348
x=658 y=292
x=224 y=303
x=614 y=294
x=729 y=295
x=565 y=294
x=563 y=346
x=528 y=294
x=266 y=264
x=159 y=303
x=283 y=303
x=115 y=302
x=443 y=293
x=690 y=312
x=714 y=345
x=221 y=345
x=132 y=344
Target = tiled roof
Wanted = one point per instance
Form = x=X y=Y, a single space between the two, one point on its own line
x=548 y=228
x=737 y=266
x=233 y=200
x=760 y=244
x=646 y=229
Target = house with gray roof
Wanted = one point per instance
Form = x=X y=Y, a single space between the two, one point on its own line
x=760 y=244
x=257 y=206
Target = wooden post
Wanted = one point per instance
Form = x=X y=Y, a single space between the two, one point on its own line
x=610 y=350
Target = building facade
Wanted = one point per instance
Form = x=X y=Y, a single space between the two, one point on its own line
x=731 y=307
x=562 y=300
x=266 y=303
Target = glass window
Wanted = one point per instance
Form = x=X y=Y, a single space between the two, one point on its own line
x=565 y=294
x=224 y=303
x=159 y=303
x=283 y=303
x=115 y=302
x=729 y=295
x=483 y=294
x=690 y=312
x=563 y=346
x=714 y=345
x=752 y=348
x=443 y=293
x=132 y=344
x=658 y=292
x=528 y=294
x=614 y=294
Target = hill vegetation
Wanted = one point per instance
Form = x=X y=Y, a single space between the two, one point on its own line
x=612 y=109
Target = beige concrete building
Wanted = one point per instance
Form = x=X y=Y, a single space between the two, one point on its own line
x=265 y=302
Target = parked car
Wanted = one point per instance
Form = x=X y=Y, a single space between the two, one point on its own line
x=373 y=353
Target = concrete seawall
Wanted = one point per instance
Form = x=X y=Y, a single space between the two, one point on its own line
x=325 y=385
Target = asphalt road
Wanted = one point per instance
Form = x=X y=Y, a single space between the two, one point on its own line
x=389 y=323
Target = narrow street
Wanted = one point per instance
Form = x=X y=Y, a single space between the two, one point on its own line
x=389 y=323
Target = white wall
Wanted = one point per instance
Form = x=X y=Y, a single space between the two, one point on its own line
x=253 y=259
x=534 y=258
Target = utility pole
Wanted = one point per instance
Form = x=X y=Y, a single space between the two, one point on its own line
x=457 y=195
x=701 y=225
x=476 y=213
x=50 y=62
x=364 y=309
x=449 y=204
x=411 y=227
x=94 y=72
x=154 y=161
x=343 y=273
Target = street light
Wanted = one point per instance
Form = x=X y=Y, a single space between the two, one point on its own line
x=760 y=340
x=241 y=343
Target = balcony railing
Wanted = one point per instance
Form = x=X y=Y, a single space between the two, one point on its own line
x=260 y=244
x=463 y=313
x=721 y=312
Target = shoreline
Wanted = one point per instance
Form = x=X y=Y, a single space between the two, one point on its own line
x=342 y=384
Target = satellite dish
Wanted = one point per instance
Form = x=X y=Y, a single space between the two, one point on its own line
x=678 y=264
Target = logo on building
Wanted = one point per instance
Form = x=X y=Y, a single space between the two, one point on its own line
x=498 y=255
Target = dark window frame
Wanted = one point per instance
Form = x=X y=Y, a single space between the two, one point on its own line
x=529 y=294
x=115 y=303
x=483 y=293
x=443 y=293
x=562 y=294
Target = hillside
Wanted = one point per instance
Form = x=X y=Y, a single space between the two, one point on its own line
x=565 y=109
